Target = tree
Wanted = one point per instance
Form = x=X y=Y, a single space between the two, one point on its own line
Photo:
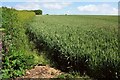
x=38 y=12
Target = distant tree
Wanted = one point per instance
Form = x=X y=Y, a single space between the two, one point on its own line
x=47 y=14
x=65 y=14
x=38 y=12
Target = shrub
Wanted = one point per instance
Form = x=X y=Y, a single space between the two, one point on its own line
x=16 y=53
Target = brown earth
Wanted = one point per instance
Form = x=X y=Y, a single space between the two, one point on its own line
x=42 y=72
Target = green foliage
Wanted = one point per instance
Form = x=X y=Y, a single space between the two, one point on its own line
x=15 y=63
x=65 y=76
x=38 y=12
x=0 y=16
x=17 y=55
x=73 y=76
x=87 y=44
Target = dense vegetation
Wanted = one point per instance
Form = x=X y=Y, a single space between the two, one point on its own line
x=16 y=52
x=0 y=17
x=87 y=44
x=37 y=12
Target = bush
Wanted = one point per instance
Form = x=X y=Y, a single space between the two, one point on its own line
x=16 y=53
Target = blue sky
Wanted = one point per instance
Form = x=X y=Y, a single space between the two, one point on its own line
x=59 y=0
x=106 y=7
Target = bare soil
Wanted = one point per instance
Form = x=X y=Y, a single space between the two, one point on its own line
x=42 y=72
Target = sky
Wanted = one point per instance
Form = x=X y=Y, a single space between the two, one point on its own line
x=70 y=7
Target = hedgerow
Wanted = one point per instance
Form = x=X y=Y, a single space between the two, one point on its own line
x=17 y=55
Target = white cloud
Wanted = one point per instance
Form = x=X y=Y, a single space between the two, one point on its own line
x=47 y=5
x=68 y=12
x=39 y=5
x=115 y=11
x=28 y=6
x=88 y=8
x=98 y=9
x=8 y=6
x=55 y=5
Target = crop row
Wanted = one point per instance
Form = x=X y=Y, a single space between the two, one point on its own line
x=88 y=44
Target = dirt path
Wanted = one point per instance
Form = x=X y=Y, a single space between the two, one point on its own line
x=42 y=72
